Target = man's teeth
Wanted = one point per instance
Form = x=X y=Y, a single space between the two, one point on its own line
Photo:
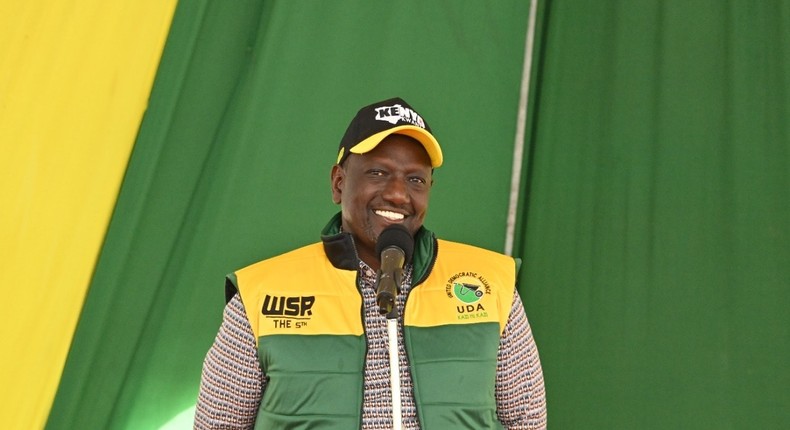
x=394 y=216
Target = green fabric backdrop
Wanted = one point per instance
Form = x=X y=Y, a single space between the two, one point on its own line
x=653 y=217
x=657 y=234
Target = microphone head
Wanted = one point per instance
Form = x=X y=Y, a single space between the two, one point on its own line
x=396 y=235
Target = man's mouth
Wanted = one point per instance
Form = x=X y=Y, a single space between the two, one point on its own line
x=392 y=216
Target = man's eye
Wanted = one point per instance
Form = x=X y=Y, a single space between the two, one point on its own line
x=418 y=180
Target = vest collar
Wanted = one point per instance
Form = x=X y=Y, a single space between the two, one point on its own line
x=342 y=253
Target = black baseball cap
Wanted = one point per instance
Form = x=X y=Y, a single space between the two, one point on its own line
x=392 y=116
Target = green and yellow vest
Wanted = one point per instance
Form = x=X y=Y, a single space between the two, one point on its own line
x=306 y=312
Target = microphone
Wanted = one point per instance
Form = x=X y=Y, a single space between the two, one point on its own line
x=395 y=246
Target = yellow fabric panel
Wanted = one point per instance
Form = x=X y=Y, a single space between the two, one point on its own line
x=466 y=285
x=302 y=304
x=75 y=77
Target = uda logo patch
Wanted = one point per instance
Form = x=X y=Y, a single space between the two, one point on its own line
x=468 y=288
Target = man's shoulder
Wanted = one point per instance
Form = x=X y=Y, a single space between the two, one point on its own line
x=468 y=255
x=449 y=246
x=294 y=257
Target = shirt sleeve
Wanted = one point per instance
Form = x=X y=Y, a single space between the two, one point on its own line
x=519 y=391
x=232 y=382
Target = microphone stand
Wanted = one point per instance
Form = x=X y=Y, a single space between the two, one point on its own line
x=392 y=334
x=388 y=289
x=395 y=245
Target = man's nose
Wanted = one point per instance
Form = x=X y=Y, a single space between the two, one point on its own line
x=396 y=191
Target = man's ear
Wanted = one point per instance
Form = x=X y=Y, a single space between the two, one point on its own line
x=336 y=178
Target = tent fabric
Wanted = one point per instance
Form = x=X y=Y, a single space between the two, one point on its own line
x=657 y=234
x=653 y=213
x=74 y=82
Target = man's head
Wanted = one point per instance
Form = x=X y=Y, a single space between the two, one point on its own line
x=384 y=173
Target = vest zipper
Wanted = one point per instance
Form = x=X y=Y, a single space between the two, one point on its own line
x=364 y=330
x=367 y=345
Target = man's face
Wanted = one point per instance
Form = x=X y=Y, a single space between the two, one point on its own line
x=389 y=185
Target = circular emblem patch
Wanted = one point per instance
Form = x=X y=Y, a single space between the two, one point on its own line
x=467 y=293
x=467 y=287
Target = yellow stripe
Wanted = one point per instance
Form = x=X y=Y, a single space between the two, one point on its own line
x=74 y=81
x=467 y=285
x=299 y=278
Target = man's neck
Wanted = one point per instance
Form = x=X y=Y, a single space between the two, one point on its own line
x=372 y=261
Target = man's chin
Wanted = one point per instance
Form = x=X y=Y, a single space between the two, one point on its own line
x=378 y=224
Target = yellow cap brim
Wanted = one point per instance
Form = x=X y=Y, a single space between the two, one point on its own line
x=420 y=134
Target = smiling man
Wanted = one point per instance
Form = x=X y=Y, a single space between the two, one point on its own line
x=303 y=345
x=390 y=184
